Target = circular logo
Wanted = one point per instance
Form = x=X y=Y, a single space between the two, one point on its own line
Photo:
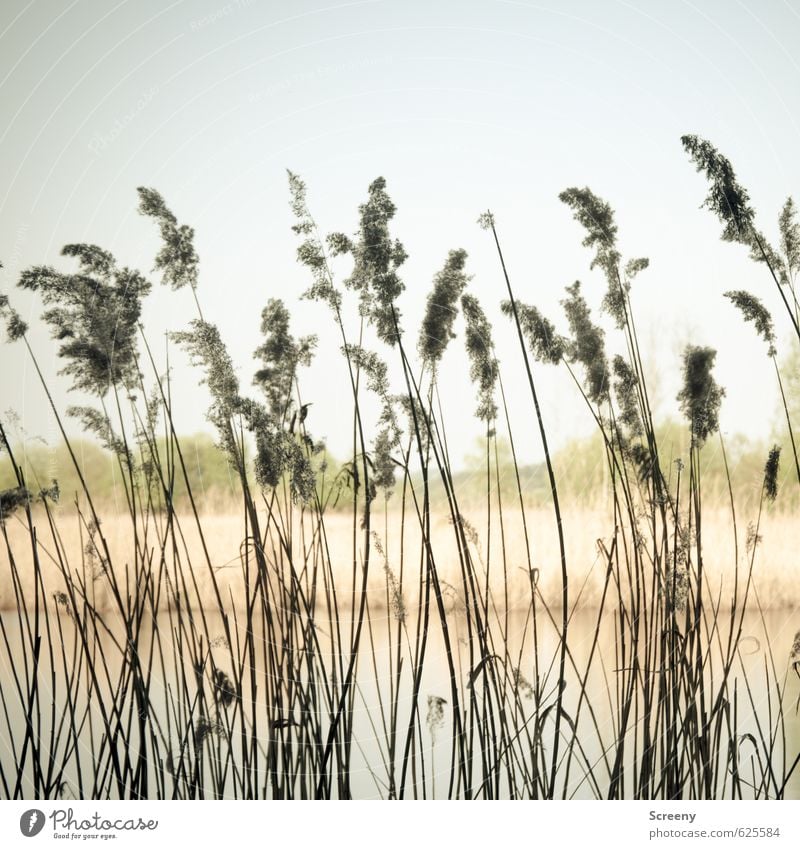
x=31 y=822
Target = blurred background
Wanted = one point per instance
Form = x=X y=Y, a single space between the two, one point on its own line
x=463 y=107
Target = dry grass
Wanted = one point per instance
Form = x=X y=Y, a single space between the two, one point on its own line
x=776 y=570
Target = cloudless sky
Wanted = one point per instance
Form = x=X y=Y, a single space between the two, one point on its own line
x=462 y=106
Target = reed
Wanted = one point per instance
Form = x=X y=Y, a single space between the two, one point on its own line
x=369 y=637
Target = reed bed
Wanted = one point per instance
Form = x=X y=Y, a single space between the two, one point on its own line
x=410 y=646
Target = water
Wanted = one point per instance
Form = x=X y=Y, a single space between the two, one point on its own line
x=177 y=709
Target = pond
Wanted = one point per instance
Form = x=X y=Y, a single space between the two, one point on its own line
x=218 y=710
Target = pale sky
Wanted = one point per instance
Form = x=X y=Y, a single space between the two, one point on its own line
x=462 y=106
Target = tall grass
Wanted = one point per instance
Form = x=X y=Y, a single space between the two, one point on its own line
x=123 y=680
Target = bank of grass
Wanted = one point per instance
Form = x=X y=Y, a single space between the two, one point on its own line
x=142 y=660
x=209 y=475
x=581 y=473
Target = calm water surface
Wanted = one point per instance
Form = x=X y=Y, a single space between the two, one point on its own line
x=368 y=772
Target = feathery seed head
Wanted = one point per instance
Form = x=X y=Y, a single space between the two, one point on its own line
x=13 y=499
x=753 y=310
x=675 y=589
x=789 y=228
x=635 y=266
x=626 y=387
x=597 y=218
x=483 y=370
x=177 y=259
x=435 y=717
x=486 y=220
x=206 y=349
x=587 y=345
x=442 y=308
x=16 y=328
x=225 y=690
x=280 y=357
x=726 y=198
x=95 y=314
x=771 y=469
x=388 y=437
x=310 y=251
x=377 y=257
x=297 y=195
x=545 y=344
x=701 y=397
x=339 y=243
